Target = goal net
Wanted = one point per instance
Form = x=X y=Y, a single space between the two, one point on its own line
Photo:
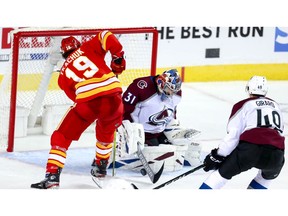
x=31 y=101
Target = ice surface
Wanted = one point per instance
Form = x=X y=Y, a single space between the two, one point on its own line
x=205 y=107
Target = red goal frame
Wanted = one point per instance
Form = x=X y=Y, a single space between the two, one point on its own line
x=65 y=32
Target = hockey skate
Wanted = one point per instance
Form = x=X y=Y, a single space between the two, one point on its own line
x=93 y=163
x=51 y=181
x=99 y=170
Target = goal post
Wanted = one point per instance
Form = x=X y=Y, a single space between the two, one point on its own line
x=29 y=86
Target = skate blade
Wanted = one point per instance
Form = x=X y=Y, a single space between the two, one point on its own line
x=98 y=181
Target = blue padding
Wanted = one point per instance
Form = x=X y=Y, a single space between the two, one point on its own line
x=256 y=185
x=205 y=186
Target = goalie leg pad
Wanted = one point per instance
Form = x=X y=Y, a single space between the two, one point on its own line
x=127 y=137
x=172 y=155
x=192 y=155
x=154 y=155
x=180 y=156
x=193 y=146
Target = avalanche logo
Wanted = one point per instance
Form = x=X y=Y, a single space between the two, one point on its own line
x=160 y=118
x=281 y=39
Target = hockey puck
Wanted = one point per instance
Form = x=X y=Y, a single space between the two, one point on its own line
x=143 y=172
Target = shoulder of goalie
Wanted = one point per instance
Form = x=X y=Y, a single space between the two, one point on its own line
x=180 y=136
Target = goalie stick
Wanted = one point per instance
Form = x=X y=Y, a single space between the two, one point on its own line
x=174 y=179
x=153 y=176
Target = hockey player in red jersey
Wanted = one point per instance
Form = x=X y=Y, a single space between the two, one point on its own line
x=96 y=92
x=254 y=140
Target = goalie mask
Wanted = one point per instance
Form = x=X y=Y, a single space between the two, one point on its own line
x=168 y=83
x=69 y=44
x=257 y=85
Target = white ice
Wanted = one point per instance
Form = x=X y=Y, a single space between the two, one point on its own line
x=205 y=106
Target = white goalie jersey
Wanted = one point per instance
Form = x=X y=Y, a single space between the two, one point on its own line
x=144 y=105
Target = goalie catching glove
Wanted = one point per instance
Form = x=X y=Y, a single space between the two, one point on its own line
x=118 y=63
x=213 y=160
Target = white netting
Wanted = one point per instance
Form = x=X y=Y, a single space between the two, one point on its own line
x=37 y=75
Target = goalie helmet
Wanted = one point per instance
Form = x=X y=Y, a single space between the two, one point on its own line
x=168 y=83
x=69 y=44
x=257 y=85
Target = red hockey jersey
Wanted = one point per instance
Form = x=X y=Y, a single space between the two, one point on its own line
x=85 y=74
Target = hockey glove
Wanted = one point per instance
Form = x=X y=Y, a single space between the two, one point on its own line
x=118 y=63
x=213 y=160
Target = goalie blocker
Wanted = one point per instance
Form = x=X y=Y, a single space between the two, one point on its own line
x=182 y=151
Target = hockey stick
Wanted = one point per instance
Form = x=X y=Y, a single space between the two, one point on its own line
x=174 y=179
x=153 y=176
x=114 y=154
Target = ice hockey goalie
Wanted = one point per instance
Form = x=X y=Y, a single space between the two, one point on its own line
x=183 y=150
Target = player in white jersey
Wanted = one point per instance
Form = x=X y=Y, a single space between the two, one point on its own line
x=152 y=101
x=254 y=139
